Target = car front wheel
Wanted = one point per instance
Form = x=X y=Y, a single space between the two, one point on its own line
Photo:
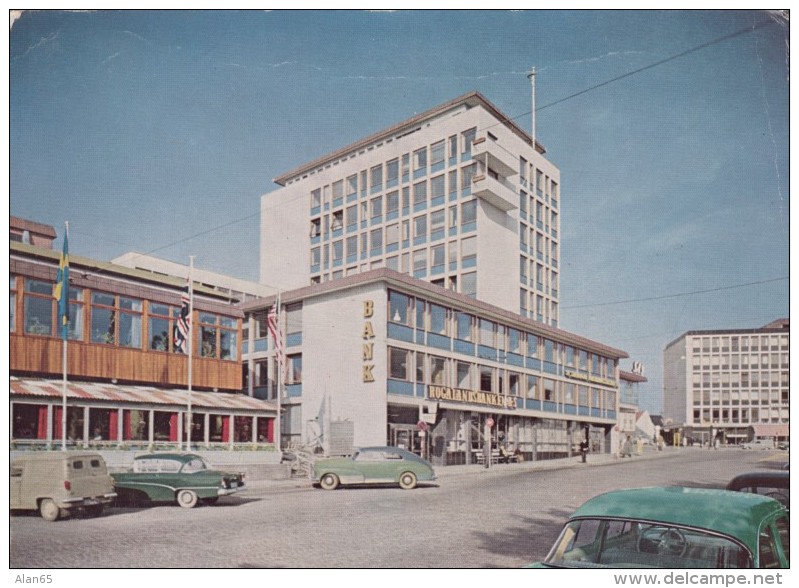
x=407 y=481
x=187 y=498
x=329 y=482
x=49 y=510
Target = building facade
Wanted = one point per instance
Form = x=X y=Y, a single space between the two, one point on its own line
x=718 y=384
x=126 y=383
x=457 y=196
x=412 y=364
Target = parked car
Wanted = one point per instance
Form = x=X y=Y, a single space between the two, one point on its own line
x=373 y=465
x=184 y=478
x=758 y=444
x=785 y=446
x=57 y=482
x=674 y=528
x=771 y=483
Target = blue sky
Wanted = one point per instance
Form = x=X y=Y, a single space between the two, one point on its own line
x=158 y=131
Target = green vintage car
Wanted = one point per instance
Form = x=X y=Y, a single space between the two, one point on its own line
x=184 y=478
x=373 y=465
x=674 y=528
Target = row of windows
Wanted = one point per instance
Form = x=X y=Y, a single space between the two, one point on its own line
x=441 y=320
x=421 y=195
x=110 y=319
x=750 y=415
x=535 y=179
x=398 y=235
x=743 y=379
x=740 y=343
x=415 y=366
x=743 y=360
x=427 y=159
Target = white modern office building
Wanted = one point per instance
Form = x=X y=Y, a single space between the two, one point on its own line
x=408 y=363
x=729 y=385
x=458 y=196
x=418 y=272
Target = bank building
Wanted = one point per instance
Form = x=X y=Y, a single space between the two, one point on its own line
x=417 y=275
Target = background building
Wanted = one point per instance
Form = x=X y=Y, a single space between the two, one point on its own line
x=457 y=196
x=719 y=383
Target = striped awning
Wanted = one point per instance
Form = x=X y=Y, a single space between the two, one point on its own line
x=116 y=393
x=770 y=430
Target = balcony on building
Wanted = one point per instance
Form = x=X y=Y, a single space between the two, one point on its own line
x=494 y=189
x=492 y=156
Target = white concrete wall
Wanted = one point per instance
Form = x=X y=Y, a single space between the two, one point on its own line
x=332 y=380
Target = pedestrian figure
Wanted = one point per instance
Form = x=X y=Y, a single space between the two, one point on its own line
x=584 y=449
x=627 y=448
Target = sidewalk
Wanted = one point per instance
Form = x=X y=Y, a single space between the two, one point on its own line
x=444 y=472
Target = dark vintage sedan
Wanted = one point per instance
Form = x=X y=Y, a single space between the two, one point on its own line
x=373 y=465
x=184 y=478
x=774 y=484
x=674 y=528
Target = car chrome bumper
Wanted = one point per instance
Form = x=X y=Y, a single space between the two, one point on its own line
x=88 y=501
x=229 y=491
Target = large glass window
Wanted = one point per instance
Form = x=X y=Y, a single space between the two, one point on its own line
x=398 y=308
x=103 y=321
x=438 y=319
x=486 y=333
x=437 y=187
x=399 y=364
x=376 y=177
x=39 y=305
x=420 y=226
x=294 y=372
x=468 y=212
x=464 y=326
x=392 y=202
x=469 y=284
x=130 y=322
x=464 y=375
x=438 y=371
x=158 y=327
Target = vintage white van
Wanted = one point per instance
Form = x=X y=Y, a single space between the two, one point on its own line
x=55 y=482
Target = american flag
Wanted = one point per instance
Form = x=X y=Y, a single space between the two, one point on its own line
x=182 y=324
x=277 y=336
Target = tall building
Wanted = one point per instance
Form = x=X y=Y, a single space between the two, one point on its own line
x=457 y=196
x=418 y=272
x=729 y=385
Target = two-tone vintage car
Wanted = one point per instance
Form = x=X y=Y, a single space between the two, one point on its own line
x=775 y=484
x=373 y=465
x=674 y=527
x=184 y=478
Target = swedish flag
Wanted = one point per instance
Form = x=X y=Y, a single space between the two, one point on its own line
x=61 y=290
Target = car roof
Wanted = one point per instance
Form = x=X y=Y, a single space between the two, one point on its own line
x=183 y=457
x=736 y=514
x=391 y=449
x=772 y=479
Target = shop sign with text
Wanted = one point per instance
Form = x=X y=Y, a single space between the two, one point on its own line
x=470 y=396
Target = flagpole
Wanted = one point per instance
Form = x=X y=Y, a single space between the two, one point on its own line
x=190 y=424
x=279 y=375
x=64 y=320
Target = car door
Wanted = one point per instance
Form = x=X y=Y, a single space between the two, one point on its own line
x=372 y=465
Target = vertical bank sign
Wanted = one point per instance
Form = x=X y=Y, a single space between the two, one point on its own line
x=368 y=347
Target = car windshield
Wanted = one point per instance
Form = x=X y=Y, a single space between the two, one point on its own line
x=591 y=543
